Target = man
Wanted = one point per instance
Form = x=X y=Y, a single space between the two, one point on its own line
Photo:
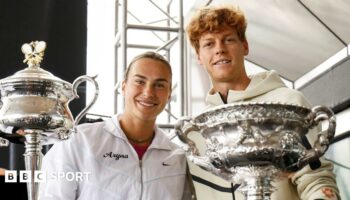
x=218 y=37
x=12 y=134
x=127 y=156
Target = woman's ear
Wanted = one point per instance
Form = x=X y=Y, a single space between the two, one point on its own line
x=123 y=87
x=169 y=97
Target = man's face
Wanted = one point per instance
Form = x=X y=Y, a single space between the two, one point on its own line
x=222 y=54
x=147 y=89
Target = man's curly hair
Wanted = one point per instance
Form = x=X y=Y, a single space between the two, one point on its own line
x=212 y=19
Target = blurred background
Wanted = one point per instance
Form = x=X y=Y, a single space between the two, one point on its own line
x=305 y=41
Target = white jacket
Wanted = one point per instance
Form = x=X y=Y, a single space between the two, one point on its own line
x=116 y=172
x=306 y=184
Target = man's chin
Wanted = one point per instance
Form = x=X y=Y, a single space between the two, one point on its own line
x=222 y=78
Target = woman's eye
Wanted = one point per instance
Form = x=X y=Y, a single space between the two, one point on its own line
x=139 y=82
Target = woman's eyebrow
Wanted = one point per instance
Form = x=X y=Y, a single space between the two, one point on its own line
x=140 y=76
x=158 y=79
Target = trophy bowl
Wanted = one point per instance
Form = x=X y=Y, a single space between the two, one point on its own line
x=34 y=98
x=36 y=103
x=256 y=142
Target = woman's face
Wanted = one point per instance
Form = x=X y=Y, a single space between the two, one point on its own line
x=147 y=89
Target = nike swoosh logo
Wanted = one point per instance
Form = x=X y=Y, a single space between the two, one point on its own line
x=165 y=164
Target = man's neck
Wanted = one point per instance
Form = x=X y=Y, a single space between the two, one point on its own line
x=224 y=87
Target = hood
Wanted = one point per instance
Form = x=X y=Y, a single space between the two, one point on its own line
x=260 y=83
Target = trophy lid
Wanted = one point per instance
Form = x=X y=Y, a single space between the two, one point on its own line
x=34 y=53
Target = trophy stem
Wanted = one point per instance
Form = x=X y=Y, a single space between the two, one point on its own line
x=257 y=188
x=32 y=158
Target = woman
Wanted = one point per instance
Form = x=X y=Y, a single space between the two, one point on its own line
x=127 y=156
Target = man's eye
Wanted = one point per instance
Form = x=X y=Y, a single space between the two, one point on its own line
x=230 y=40
x=160 y=85
x=208 y=44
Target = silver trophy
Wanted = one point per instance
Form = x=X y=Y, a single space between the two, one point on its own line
x=36 y=102
x=255 y=143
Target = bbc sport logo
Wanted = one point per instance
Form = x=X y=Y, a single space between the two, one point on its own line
x=11 y=176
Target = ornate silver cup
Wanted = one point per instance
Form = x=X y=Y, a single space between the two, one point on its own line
x=254 y=143
x=36 y=102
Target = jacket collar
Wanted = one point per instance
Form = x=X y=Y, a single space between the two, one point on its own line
x=260 y=83
x=160 y=140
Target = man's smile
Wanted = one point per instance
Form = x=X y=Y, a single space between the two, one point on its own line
x=222 y=61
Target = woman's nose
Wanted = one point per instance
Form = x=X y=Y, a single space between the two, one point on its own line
x=148 y=91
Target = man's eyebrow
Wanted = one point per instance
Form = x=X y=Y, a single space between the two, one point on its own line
x=161 y=80
x=144 y=77
x=213 y=37
x=207 y=38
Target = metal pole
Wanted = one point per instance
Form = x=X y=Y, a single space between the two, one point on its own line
x=153 y=28
x=123 y=45
x=115 y=69
x=168 y=106
x=142 y=46
x=165 y=13
x=183 y=85
x=168 y=43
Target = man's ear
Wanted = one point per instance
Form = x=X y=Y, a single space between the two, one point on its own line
x=199 y=59
x=246 y=47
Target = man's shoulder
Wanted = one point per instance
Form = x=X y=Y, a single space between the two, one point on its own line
x=289 y=95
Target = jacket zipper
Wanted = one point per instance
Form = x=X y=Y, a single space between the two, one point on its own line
x=140 y=164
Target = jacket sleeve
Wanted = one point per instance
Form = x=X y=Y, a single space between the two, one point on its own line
x=316 y=184
x=189 y=190
x=56 y=164
x=7 y=129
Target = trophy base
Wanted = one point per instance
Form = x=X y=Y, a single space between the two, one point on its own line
x=256 y=181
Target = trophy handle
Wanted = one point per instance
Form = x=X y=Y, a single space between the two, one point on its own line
x=182 y=129
x=76 y=83
x=318 y=114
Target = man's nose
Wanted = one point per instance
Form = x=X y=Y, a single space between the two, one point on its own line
x=220 y=48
